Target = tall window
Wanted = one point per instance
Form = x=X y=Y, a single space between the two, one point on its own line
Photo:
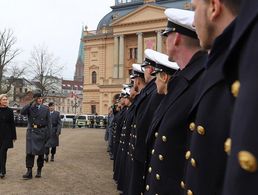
x=93 y=77
x=133 y=53
x=93 y=109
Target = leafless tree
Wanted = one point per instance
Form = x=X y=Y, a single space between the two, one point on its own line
x=7 y=53
x=45 y=69
x=14 y=73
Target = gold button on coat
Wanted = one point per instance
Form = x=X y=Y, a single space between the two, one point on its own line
x=247 y=161
x=227 y=146
x=157 y=176
x=164 y=138
x=235 y=87
x=182 y=184
x=152 y=152
x=150 y=169
x=201 y=130
x=147 y=187
x=187 y=155
x=192 y=126
x=161 y=157
x=156 y=134
x=193 y=163
x=189 y=192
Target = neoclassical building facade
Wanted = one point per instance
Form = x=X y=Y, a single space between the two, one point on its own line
x=119 y=41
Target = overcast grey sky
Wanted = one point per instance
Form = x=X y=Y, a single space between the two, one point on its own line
x=56 y=24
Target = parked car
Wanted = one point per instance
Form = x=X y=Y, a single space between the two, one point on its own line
x=68 y=120
x=81 y=121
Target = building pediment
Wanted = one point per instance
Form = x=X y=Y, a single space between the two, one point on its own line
x=144 y=14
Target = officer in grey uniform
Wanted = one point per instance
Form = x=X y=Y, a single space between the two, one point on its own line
x=53 y=141
x=38 y=131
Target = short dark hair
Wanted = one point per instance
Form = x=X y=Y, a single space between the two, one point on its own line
x=51 y=104
x=37 y=95
x=233 y=5
x=116 y=96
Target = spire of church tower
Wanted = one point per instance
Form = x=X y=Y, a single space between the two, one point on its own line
x=79 y=67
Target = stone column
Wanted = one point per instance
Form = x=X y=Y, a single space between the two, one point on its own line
x=139 y=48
x=121 y=57
x=115 y=67
x=159 y=41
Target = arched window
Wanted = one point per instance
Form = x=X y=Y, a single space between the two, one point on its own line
x=93 y=77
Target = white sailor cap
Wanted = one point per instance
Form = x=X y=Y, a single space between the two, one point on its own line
x=125 y=92
x=122 y=93
x=137 y=71
x=164 y=65
x=180 y=21
x=127 y=85
x=149 y=58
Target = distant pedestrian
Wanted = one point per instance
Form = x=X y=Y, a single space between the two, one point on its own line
x=7 y=132
x=74 y=122
x=53 y=141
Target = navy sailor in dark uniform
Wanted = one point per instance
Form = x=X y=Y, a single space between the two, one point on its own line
x=210 y=116
x=148 y=102
x=139 y=83
x=38 y=132
x=242 y=166
x=167 y=137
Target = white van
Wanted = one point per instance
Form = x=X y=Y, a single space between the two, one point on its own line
x=85 y=120
x=67 y=117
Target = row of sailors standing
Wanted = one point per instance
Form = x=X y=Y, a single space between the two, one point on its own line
x=174 y=135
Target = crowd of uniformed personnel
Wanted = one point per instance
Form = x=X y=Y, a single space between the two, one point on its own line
x=186 y=122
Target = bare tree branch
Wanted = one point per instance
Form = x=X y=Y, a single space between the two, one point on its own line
x=7 y=53
x=15 y=73
x=44 y=69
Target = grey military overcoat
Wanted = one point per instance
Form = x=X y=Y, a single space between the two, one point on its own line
x=36 y=137
x=53 y=140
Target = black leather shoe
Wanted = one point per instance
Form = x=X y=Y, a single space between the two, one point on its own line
x=2 y=175
x=38 y=175
x=52 y=158
x=28 y=175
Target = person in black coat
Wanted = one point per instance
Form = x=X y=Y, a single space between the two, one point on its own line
x=144 y=112
x=242 y=166
x=123 y=143
x=167 y=137
x=210 y=116
x=38 y=132
x=53 y=141
x=137 y=76
x=7 y=132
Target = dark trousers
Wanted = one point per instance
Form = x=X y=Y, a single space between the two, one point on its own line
x=3 y=156
x=53 y=150
x=30 y=161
